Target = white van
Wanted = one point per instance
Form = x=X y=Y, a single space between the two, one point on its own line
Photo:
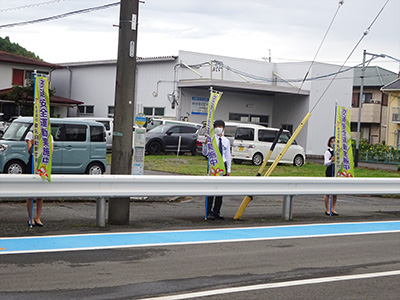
x=252 y=143
x=108 y=124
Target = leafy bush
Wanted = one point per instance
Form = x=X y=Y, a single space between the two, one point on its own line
x=376 y=152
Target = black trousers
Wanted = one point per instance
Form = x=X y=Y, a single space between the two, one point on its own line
x=217 y=204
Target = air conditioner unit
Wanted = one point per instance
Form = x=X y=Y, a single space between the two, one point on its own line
x=27 y=81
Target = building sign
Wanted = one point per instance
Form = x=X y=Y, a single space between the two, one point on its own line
x=199 y=106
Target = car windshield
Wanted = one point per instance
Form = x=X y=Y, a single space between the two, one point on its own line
x=160 y=129
x=16 y=131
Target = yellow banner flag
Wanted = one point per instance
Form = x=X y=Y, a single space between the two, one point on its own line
x=344 y=166
x=217 y=166
x=43 y=147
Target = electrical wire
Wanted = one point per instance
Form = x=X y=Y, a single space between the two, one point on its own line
x=56 y=17
x=348 y=57
x=30 y=5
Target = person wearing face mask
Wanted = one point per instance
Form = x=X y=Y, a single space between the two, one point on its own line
x=224 y=146
x=329 y=162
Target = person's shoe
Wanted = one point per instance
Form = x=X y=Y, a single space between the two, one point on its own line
x=29 y=223
x=327 y=214
x=40 y=224
x=218 y=216
x=210 y=216
x=334 y=214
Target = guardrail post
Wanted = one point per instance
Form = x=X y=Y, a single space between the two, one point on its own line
x=101 y=212
x=287 y=207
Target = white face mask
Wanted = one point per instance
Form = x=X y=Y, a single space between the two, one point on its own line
x=218 y=130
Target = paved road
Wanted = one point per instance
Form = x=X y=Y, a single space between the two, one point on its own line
x=135 y=273
x=325 y=267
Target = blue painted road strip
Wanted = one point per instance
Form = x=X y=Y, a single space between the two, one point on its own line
x=161 y=238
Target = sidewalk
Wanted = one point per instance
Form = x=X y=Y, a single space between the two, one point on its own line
x=62 y=217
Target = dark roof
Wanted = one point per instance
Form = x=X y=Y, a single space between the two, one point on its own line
x=59 y=99
x=392 y=86
x=53 y=98
x=373 y=76
x=17 y=59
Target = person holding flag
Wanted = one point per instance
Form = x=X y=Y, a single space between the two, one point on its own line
x=40 y=142
x=224 y=150
x=329 y=162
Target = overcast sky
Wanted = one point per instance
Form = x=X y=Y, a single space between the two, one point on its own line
x=291 y=29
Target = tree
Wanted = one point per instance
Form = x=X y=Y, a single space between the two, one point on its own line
x=23 y=97
x=7 y=46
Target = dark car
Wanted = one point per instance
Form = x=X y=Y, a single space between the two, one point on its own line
x=165 y=138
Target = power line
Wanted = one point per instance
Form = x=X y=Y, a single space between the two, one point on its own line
x=30 y=5
x=56 y=17
x=348 y=57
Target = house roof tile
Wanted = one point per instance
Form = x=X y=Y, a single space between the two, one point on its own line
x=17 y=59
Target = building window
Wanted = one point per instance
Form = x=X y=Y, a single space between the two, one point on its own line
x=247 y=118
x=86 y=109
x=288 y=127
x=153 y=111
x=18 y=77
x=110 y=111
x=367 y=98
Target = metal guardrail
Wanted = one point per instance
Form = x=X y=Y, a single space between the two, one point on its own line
x=109 y=186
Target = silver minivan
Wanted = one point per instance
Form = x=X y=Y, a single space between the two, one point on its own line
x=79 y=147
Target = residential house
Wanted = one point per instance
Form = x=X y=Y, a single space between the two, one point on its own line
x=374 y=108
x=18 y=70
x=392 y=89
x=178 y=87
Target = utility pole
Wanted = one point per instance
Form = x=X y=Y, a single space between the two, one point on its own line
x=121 y=162
x=360 y=101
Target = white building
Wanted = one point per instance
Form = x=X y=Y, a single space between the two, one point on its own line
x=261 y=92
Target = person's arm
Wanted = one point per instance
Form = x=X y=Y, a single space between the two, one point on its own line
x=29 y=142
x=228 y=158
x=204 y=149
x=328 y=158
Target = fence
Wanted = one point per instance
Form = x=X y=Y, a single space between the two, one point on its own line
x=110 y=186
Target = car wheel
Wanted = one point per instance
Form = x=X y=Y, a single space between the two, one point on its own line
x=194 y=150
x=154 y=148
x=14 y=167
x=298 y=161
x=237 y=161
x=95 y=168
x=257 y=159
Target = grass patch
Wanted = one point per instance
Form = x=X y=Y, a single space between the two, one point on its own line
x=197 y=165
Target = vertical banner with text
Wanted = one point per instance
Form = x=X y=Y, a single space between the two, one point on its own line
x=41 y=129
x=344 y=166
x=217 y=166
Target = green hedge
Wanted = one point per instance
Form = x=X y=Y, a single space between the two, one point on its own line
x=377 y=152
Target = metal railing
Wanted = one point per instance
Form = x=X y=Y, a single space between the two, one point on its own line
x=109 y=186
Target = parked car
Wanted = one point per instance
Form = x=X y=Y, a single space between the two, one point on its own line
x=165 y=138
x=79 y=146
x=252 y=143
x=152 y=123
x=230 y=129
x=2 y=124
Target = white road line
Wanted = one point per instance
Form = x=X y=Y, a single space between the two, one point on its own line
x=275 y=285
